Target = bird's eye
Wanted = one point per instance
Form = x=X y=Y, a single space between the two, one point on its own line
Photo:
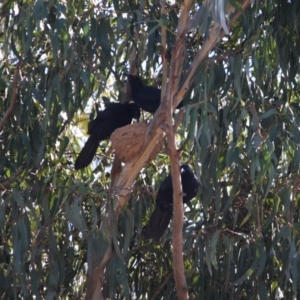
x=183 y=168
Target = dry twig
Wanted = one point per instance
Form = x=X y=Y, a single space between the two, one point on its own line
x=13 y=98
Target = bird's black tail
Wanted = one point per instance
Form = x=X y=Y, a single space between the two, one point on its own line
x=158 y=222
x=87 y=153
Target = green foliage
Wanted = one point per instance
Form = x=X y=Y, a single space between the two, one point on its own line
x=241 y=135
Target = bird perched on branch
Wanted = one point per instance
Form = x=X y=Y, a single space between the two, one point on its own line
x=146 y=97
x=163 y=211
x=114 y=116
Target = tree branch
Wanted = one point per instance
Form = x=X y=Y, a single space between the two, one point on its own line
x=173 y=97
x=122 y=192
x=94 y=281
x=160 y=288
x=6 y=184
x=179 y=119
x=214 y=37
x=164 y=52
x=176 y=67
x=13 y=98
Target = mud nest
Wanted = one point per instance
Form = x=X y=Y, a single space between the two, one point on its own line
x=129 y=140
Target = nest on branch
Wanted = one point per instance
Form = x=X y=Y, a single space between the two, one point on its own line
x=128 y=141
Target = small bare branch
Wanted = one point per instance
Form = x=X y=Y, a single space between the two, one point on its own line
x=174 y=79
x=94 y=281
x=164 y=53
x=215 y=35
x=13 y=98
x=115 y=171
x=160 y=288
x=179 y=120
x=6 y=184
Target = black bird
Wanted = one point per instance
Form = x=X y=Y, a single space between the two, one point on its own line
x=146 y=97
x=114 y=116
x=163 y=211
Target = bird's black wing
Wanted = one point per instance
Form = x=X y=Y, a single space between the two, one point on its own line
x=158 y=223
x=164 y=196
x=102 y=116
x=97 y=129
x=148 y=93
x=147 y=98
x=163 y=211
x=190 y=183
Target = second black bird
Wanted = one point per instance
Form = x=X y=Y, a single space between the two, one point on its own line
x=146 y=97
x=163 y=211
x=114 y=116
